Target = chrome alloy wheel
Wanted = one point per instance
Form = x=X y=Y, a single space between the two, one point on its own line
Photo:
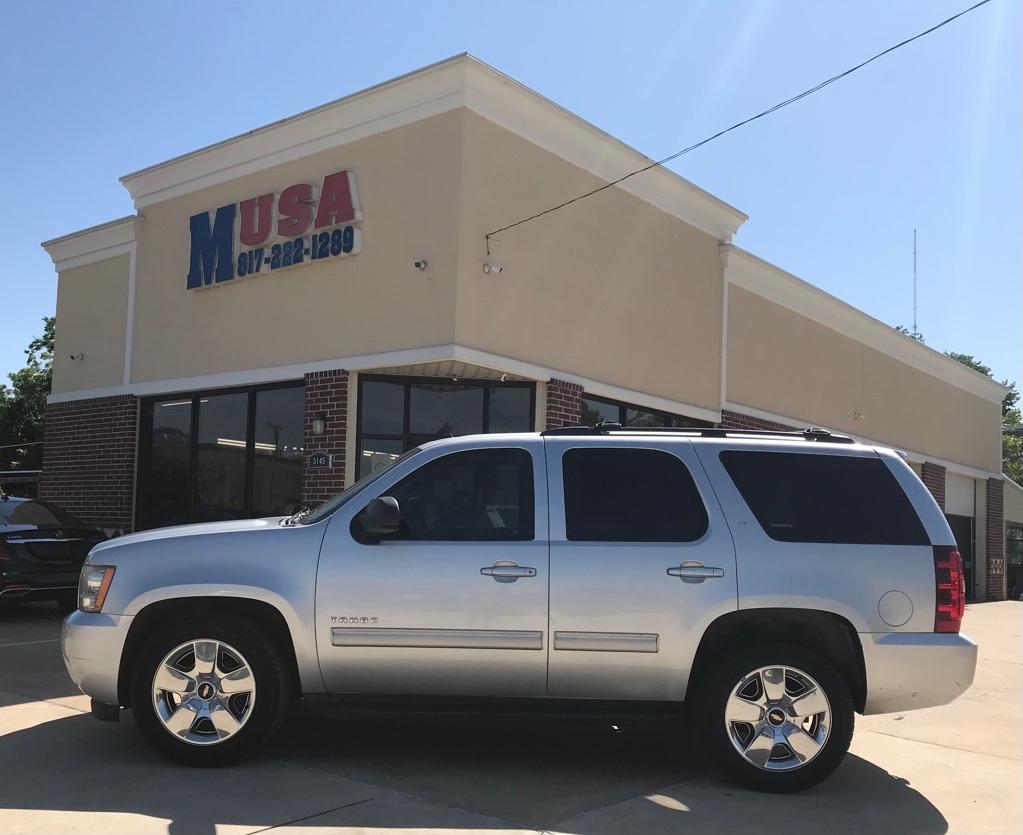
x=778 y=718
x=204 y=691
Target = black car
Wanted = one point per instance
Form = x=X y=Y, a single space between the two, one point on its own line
x=42 y=549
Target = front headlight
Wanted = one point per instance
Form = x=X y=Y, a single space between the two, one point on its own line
x=93 y=586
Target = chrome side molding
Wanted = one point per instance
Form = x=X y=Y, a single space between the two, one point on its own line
x=606 y=641
x=344 y=636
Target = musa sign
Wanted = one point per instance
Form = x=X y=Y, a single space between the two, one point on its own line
x=301 y=224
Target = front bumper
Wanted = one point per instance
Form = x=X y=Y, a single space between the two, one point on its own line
x=912 y=670
x=92 y=644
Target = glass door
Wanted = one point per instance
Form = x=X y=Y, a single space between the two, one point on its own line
x=962 y=530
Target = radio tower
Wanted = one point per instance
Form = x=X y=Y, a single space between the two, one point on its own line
x=916 y=333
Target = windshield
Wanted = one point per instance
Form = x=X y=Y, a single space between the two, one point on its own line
x=327 y=508
x=32 y=512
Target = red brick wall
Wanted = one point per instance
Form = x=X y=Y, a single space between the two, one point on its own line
x=89 y=459
x=995 y=539
x=564 y=404
x=933 y=477
x=326 y=393
x=736 y=420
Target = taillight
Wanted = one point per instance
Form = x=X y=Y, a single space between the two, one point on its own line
x=949 y=589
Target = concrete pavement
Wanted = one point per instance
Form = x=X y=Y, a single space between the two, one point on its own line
x=957 y=768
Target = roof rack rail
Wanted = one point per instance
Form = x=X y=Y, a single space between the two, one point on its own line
x=811 y=433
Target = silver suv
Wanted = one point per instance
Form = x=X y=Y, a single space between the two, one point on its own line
x=775 y=583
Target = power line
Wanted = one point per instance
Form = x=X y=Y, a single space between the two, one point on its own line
x=720 y=133
x=19 y=446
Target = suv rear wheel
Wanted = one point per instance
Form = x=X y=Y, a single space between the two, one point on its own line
x=778 y=718
x=207 y=690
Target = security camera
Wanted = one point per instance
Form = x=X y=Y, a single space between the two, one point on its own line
x=420 y=264
x=493 y=268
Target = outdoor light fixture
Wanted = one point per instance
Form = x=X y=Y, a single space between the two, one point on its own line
x=319 y=423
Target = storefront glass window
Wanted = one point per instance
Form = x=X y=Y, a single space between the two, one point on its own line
x=396 y=414
x=383 y=408
x=167 y=487
x=442 y=410
x=510 y=409
x=278 y=451
x=1014 y=544
x=220 y=458
x=375 y=454
x=221 y=455
x=596 y=409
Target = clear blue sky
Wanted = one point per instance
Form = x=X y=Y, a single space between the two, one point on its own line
x=929 y=137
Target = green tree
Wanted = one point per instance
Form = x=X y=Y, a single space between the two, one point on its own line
x=23 y=404
x=1012 y=444
x=919 y=337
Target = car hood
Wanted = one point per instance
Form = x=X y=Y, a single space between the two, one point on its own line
x=178 y=531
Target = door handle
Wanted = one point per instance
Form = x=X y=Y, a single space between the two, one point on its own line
x=695 y=572
x=506 y=571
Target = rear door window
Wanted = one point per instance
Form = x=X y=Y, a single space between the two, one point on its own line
x=804 y=497
x=630 y=495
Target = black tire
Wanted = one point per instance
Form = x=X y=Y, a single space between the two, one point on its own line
x=270 y=670
x=717 y=689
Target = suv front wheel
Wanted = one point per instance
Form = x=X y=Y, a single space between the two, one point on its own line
x=207 y=690
x=778 y=718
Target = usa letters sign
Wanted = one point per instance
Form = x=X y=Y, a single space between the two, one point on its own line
x=301 y=224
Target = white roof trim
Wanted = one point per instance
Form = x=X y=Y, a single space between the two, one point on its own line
x=460 y=81
x=518 y=109
x=387 y=359
x=746 y=270
x=912 y=455
x=97 y=243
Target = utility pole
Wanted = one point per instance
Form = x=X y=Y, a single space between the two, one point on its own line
x=916 y=333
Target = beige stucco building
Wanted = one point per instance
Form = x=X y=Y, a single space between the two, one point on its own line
x=290 y=307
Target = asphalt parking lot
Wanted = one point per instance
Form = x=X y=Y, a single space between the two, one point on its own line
x=957 y=768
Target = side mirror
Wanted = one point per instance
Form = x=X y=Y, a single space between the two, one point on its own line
x=381 y=516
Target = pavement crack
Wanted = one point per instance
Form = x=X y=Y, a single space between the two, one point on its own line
x=940 y=745
x=403 y=792
x=28 y=699
x=313 y=815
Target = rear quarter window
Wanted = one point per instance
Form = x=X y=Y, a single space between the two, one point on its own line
x=807 y=497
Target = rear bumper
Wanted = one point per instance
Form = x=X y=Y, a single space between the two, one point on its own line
x=912 y=670
x=92 y=646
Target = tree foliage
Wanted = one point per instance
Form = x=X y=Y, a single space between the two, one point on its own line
x=1012 y=444
x=23 y=404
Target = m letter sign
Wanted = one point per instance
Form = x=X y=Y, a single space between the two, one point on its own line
x=301 y=224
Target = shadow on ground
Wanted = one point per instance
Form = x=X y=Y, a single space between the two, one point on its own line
x=31 y=666
x=421 y=772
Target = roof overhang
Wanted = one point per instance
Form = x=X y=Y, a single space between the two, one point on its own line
x=97 y=243
x=458 y=82
x=743 y=269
